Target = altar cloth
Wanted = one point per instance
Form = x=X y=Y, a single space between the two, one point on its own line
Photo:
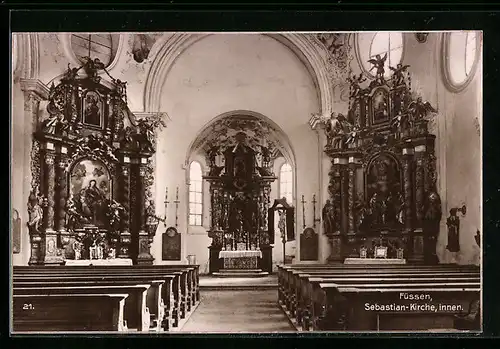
x=240 y=254
x=87 y=262
x=374 y=261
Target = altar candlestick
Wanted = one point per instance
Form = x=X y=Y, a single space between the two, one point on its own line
x=176 y=206
x=314 y=210
x=166 y=207
x=303 y=213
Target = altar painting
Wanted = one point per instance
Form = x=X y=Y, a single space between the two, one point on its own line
x=90 y=190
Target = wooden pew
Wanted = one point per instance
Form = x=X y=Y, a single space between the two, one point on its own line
x=299 y=287
x=295 y=290
x=192 y=279
x=289 y=277
x=68 y=312
x=284 y=272
x=291 y=282
x=136 y=312
x=155 y=298
x=358 y=309
x=312 y=298
x=185 y=284
x=192 y=270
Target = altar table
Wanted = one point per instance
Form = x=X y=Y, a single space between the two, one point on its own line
x=86 y=262
x=240 y=259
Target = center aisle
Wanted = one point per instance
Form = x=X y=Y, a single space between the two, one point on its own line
x=238 y=311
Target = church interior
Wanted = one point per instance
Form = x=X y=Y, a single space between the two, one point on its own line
x=246 y=182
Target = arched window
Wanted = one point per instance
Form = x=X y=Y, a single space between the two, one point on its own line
x=195 y=194
x=380 y=43
x=286 y=183
x=102 y=46
x=461 y=54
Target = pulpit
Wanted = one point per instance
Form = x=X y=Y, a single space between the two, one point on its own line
x=92 y=173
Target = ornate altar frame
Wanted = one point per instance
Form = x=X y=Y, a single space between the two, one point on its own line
x=227 y=185
x=385 y=119
x=101 y=129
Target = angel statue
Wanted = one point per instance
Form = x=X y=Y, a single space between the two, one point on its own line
x=379 y=63
x=337 y=128
x=400 y=122
x=55 y=123
x=92 y=66
x=353 y=136
x=419 y=110
x=398 y=77
x=354 y=82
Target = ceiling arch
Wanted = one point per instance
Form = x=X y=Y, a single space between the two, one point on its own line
x=169 y=48
x=224 y=129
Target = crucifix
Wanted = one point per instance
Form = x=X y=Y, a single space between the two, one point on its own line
x=303 y=213
x=166 y=207
x=176 y=206
x=314 y=210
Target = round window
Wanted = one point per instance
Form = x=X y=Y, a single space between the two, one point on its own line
x=95 y=45
x=461 y=53
x=371 y=45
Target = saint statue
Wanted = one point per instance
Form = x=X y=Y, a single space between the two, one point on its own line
x=329 y=218
x=453 y=223
x=35 y=212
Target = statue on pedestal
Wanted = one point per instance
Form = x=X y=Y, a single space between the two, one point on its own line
x=35 y=212
x=453 y=223
x=329 y=218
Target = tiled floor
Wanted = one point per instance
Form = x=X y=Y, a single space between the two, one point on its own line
x=226 y=311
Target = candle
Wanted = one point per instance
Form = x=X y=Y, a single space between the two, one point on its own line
x=166 y=193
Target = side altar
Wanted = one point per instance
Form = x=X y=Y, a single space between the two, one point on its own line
x=382 y=182
x=92 y=172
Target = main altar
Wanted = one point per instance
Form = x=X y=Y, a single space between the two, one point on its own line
x=240 y=183
x=382 y=182
x=92 y=172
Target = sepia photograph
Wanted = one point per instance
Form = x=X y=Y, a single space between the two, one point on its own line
x=246 y=182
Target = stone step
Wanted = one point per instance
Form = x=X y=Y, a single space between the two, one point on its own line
x=239 y=271
x=240 y=274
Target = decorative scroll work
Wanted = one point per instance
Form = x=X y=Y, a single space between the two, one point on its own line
x=383 y=176
x=337 y=52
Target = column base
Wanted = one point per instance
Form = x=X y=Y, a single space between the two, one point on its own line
x=145 y=259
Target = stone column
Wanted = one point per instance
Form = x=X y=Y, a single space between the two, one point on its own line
x=51 y=251
x=335 y=193
x=419 y=185
x=62 y=189
x=145 y=240
x=408 y=188
x=351 y=192
x=125 y=236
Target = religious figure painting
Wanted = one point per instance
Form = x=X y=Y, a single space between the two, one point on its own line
x=90 y=190
x=92 y=109
x=380 y=106
x=384 y=194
